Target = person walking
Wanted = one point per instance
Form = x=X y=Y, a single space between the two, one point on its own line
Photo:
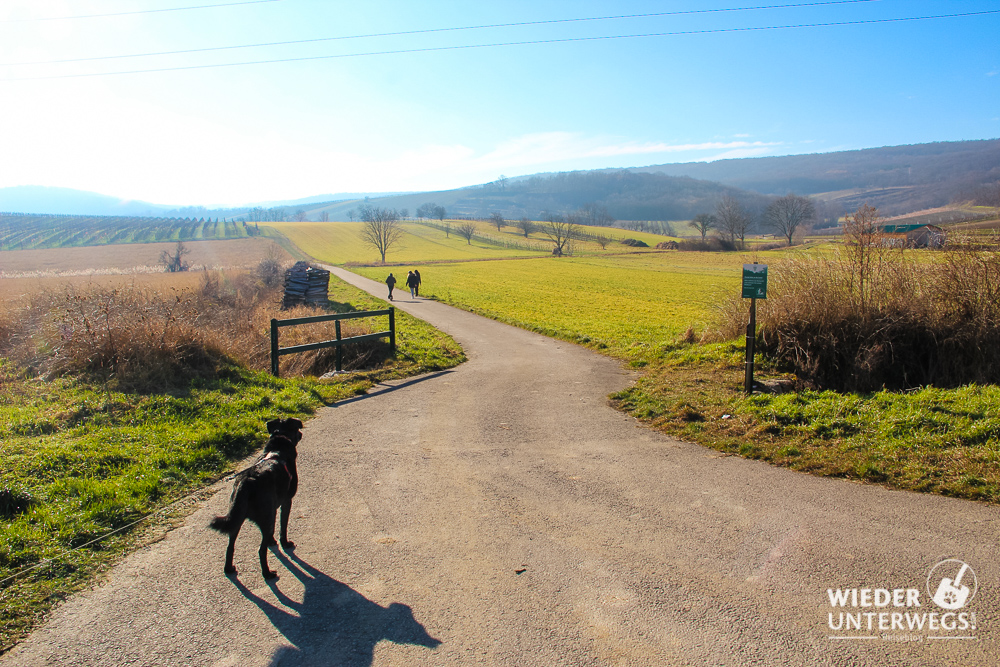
x=411 y=282
x=391 y=282
x=416 y=272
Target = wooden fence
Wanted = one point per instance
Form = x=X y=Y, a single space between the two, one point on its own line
x=338 y=343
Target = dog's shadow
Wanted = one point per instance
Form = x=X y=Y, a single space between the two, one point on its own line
x=334 y=624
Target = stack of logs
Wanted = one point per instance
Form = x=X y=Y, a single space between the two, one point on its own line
x=305 y=284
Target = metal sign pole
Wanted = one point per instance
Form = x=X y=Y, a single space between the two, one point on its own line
x=751 y=339
x=754 y=287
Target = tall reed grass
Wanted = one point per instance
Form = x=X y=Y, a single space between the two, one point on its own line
x=876 y=316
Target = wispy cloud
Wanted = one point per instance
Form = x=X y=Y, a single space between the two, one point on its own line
x=749 y=151
x=551 y=148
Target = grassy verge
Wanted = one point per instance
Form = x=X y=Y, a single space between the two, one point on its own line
x=80 y=459
x=944 y=441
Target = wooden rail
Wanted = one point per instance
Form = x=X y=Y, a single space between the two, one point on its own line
x=338 y=343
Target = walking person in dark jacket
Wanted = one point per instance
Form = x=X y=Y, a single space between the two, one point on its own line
x=416 y=272
x=391 y=282
x=411 y=282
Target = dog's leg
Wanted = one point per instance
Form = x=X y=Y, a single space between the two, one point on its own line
x=266 y=540
x=230 y=568
x=286 y=510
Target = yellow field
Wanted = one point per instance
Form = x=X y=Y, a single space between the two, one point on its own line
x=627 y=304
x=340 y=243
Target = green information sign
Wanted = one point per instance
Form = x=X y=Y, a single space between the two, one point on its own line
x=755 y=281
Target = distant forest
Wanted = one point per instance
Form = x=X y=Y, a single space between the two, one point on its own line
x=896 y=179
x=625 y=194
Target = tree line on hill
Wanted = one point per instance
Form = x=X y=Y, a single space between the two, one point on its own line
x=897 y=179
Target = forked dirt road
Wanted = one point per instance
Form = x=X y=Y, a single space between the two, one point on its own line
x=502 y=513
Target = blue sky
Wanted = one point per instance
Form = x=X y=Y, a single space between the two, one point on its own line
x=437 y=119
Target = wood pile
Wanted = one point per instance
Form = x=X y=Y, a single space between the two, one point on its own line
x=305 y=284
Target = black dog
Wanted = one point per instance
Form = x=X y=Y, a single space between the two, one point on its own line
x=259 y=491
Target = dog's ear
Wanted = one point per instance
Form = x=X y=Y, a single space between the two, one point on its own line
x=294 y=423
x=273 y=425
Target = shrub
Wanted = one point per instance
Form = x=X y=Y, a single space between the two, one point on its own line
x=148 y=340
x=634 y=243
x=711 y=244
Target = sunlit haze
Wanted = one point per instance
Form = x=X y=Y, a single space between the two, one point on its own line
x=431 y=118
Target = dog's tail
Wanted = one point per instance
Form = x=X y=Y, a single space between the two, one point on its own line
x=223 y=524
x=237 y=511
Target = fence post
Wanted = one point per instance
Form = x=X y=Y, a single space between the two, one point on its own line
x=340 y=349
x=274 y=347
x=392 y=329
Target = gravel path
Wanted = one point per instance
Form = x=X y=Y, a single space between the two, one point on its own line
x=502 y=513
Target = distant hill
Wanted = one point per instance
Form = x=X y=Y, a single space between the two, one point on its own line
x=896 y=179
x=627 y=195
x=40 y=199
x=66 y=201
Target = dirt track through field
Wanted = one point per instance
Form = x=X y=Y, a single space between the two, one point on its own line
x=502 y=513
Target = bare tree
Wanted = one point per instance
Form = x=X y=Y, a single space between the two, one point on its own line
x=175 y=262
x=300 y=216
x=501 y=183
x=430 y=210
x=704 y=223
x=595 y=214
x=496 y=218
x=526 y=225
x=466 y=230
x=381 y=229
x=734 y=219
x=324 y=216
x=865 y=249
x=561 y=232
x=787 y=214
x=602 y=240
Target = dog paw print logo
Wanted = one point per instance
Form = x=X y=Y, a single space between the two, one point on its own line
x=952 y=584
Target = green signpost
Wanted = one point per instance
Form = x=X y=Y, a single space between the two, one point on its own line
x=754 y=287
x=755 y=281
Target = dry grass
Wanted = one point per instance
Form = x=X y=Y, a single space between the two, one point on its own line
x=863 y=321
x=145 y=338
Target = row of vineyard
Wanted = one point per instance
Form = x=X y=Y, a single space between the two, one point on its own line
x=22 y=231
